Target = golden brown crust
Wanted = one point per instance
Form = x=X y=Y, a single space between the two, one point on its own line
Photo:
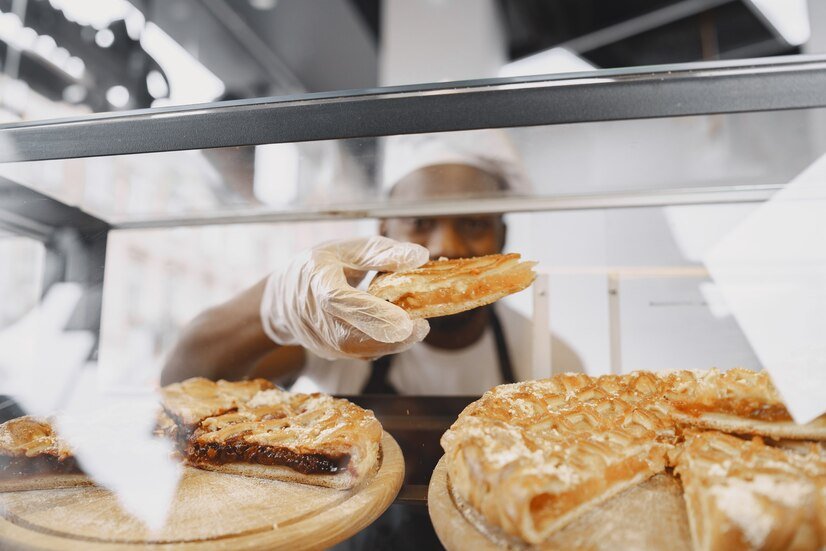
x=737 y=401
x=261 y=431
x=31 y=436
x=33 y=457
x=192 y=400
x=744 y=494
x=247 y=427
x=444 y=287
x=532 y=456
x=738 y=392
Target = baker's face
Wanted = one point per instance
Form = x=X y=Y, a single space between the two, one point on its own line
x=448 y=236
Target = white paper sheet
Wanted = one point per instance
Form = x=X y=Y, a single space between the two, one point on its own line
x=771 y=272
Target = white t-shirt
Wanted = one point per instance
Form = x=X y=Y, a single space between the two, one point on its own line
x=426 y=370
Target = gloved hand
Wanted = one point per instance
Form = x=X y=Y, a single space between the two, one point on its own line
x=313 y=302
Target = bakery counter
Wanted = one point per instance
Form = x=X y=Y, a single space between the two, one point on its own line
x=417 y=423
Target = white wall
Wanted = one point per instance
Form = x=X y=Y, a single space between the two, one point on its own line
x=666 y=323
x=437 y=40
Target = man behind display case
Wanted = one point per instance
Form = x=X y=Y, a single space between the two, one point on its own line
x=308 y=323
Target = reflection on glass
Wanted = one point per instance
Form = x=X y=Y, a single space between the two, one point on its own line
x=626 y=287
x=43 y=370
x=771 y=271
x=590 y=159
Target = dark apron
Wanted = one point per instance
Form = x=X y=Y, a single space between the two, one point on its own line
x=379 y=380
x=406 y=527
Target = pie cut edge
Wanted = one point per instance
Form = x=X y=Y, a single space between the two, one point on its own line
x=248 y=428
x=504 y=453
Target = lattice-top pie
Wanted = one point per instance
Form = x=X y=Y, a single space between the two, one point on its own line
x=32 y=456
x=744 y=494
x=254 y=429
x=248 y=428
x=449 y=286
x=527 y=458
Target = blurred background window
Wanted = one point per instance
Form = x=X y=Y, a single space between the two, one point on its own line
x=21 y=276
x=73 y=57
x=62 y=57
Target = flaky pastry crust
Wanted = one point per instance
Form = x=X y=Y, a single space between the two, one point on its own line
x=33 y=456
x=248 y=427
x=252 y=428
x=530 y=457
x=444 y=287
x=30 y=436
x=745 y=494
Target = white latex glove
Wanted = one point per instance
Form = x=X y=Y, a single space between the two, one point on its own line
x=313 y=303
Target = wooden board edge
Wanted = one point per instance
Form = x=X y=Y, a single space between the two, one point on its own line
x=452 y=528
x=344 y=521
x=457 y=533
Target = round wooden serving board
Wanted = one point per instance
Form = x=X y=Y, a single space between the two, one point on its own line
x=211 y=511
x=650 y=516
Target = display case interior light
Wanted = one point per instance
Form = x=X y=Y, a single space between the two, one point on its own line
x=118 y=96
x=788 y=18
x=189 y=80
x=104 y=38
x=554 y=60
x=263 y=4
x=93 y=12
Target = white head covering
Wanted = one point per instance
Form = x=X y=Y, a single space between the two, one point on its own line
x=490 y=150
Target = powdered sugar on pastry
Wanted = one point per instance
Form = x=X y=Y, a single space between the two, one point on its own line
x=530 y=457
x=444 y=287
x=254 y=429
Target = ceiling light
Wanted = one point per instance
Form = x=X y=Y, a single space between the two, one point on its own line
x=60 y=56
x=104 y=38
x=156 y=85
x=45 y=45
x=118 y=96
x=26 y=38
x=9 y=22
x=74 y=93
x=96 y=13
x=263 y=4
x=135 y=22
x=75 y=67
x=189 y=80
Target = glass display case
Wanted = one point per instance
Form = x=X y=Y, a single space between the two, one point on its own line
x=117 y=229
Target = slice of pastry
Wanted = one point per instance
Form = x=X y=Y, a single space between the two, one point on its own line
x=744 y=494
x=33 y=457
x=739 y=401
x=270 y=433
x=444 y=287
x=526 y=459
x=531 y=457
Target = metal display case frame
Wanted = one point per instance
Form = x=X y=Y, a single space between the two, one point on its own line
x=76 y=240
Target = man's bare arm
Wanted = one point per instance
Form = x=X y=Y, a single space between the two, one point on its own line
x=228 y=342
